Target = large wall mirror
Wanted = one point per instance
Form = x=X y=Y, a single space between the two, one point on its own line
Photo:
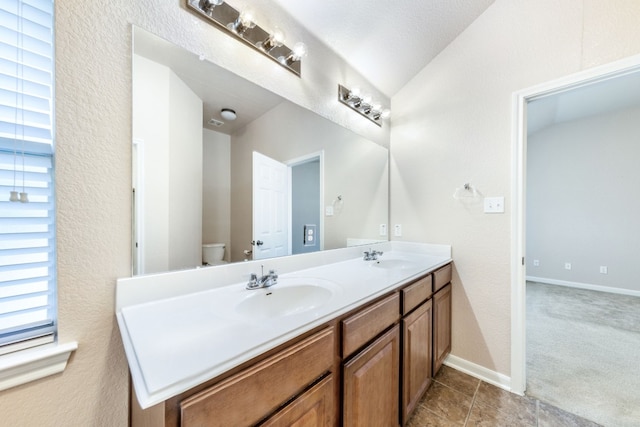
x=276 y=180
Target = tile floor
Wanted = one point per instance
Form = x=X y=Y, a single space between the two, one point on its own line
x=457 y=399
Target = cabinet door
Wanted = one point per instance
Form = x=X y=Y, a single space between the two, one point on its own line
x=441 y=326
x=314 y=408
x=417 y=357
x=371 y=384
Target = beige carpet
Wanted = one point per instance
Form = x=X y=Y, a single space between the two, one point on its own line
x=583 y=352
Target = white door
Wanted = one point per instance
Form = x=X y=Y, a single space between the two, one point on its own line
x=270 y=207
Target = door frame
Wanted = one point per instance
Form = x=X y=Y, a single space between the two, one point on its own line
x=137 y=208
x=518 y=195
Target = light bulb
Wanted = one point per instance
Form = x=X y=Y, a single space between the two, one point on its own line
x=246 y=19
x=275 y=39
x=385 y=113
x=242 y=23
x=299 y=50
x=208 y=5
x=354 y=93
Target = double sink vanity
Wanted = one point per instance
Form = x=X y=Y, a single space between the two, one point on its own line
x=334 y=340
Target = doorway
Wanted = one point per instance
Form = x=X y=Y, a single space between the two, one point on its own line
x=307 y=199
x=521 y=101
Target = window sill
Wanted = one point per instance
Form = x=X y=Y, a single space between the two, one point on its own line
x=24 y=366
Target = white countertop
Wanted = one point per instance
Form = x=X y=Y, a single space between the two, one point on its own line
x=177 y=342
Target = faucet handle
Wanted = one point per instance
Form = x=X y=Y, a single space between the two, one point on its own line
x=253 y=281
x=274 y=276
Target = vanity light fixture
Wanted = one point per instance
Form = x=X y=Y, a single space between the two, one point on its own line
x=242 y=25
x=362 y=104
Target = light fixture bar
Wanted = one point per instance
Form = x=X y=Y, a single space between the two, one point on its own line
x=229 y=20
x=362 y=105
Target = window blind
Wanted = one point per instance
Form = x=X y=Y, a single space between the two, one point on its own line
x=27 y=229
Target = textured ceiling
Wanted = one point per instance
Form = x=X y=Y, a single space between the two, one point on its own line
x=387 y=41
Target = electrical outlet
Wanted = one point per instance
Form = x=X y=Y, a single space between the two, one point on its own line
x=383 y=229
x=567 y=266
x=536 y=262
x=397 y=230
x=604 y=269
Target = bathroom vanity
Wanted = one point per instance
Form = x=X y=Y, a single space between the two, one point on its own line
x=362 y=351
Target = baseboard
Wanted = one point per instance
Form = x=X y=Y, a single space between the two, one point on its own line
x=587 y=286
x=487 y=375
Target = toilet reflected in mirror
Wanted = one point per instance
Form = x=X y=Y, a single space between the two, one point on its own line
x=213 y=254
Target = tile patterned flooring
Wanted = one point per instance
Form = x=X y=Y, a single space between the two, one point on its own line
x=457 y=399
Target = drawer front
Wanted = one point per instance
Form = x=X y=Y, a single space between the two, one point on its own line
x=249 y=396
x=363 y=326
x=416 y=293
x=441 y=277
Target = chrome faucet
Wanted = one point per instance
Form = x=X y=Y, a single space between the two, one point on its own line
x=264 y=281
x=371 y=255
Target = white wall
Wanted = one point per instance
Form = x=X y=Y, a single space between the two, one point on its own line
x=354 y=168
x=452 y=124
x=151 y=108
x=185 y=176
x=216 y=191
x=582 y=200
x=168 y=119
x=93 y=180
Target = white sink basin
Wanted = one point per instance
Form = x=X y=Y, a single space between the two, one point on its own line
x=394 y=264
x=290 y=296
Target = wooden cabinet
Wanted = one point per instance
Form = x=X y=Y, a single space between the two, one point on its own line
x=367 y=368
x=371 y=383
x=416 y=358
x=314 y=408
x=252 y=394
x=441 y=326
x=371 y=378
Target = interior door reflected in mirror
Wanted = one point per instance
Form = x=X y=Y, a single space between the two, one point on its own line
x=200 y=198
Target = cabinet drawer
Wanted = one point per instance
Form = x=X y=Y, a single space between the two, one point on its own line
x=441 y=277
x=249 y=396
x=363 y=326
x=414 y=294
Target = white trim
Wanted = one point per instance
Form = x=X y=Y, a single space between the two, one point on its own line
x=138 y=213
x=518 y=174
x=29 y=365
x=590 y=287
x=487 y=375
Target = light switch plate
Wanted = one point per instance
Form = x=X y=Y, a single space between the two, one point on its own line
x=494 y=204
